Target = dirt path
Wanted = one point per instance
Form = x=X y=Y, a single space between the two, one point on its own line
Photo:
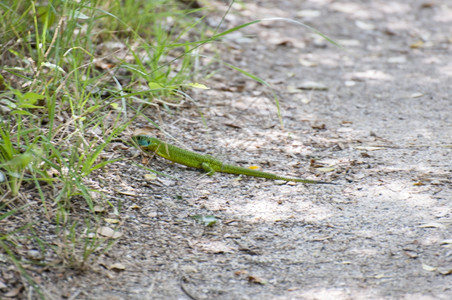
x=382 y=130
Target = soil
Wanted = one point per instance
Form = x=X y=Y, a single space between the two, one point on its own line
x=375 y=118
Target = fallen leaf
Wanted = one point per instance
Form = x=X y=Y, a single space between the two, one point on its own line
x=417 y=44
x=326 y=169
x=189 y=269
x=445 y=270
x=369 y=148
x=14 y=292
x=103 y=65
x=133 y=194
x=410 y=253
x=233 y=125
x=283 y=42
x=307 y=63
x=427 y=4
x=257 y=280
x=280 y=182
x=416 y=95
x=98 y=208
x=305 y=100
x=319 y=126
x=144 y=131
x=428 y=268
x=134 y=206
x=446 y=242
x=108 y=232
x=34 y=254
x=150 y=176
x=240 y=272
x=312 y=86
x=117 y=267
x=364 y=25
x=292 y=89
x=432 y=225
x=111 y=221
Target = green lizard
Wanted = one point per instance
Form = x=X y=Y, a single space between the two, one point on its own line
x=205 y=162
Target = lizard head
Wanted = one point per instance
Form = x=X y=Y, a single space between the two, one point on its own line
x=144 y=140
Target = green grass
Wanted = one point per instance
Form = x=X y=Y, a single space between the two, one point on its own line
x=71 y=80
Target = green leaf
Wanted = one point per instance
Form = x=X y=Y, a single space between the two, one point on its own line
x=20 y=161
x=3 y=85
x=30 y=106
x=208 y=221
x=93 y=108
x=45 y=15
x=21 y=112
x=76 y=14
x=155 y=86
x=115 y=106
x=32 y=97
x=198 y=86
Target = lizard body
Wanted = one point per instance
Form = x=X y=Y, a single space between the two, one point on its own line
x=205 y=162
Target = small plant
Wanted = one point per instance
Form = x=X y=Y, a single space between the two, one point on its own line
x=12 y=162
x=76 y=250
x=7 y=245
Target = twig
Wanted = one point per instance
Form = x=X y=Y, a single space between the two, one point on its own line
x=184 y=289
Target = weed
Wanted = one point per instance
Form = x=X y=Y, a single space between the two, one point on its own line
x=70 y=71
